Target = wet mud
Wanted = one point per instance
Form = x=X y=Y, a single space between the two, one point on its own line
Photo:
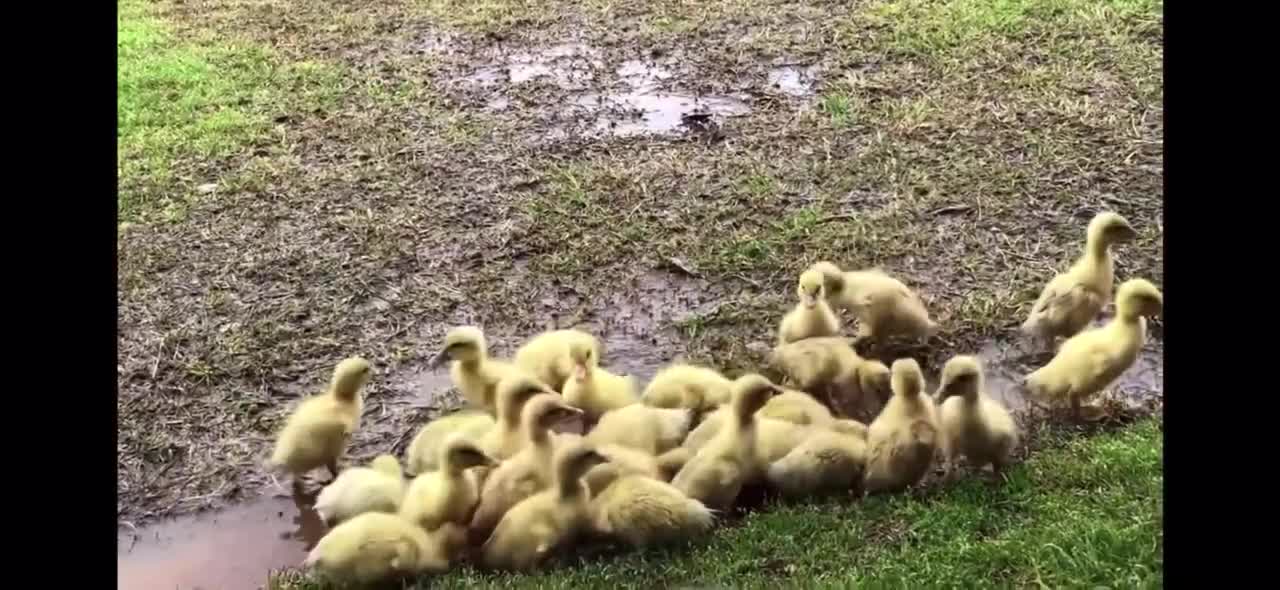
x=598 y=97
x=230 y=549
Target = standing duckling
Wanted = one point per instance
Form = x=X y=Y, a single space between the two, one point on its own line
x=1072 y=299
x=643 y=511
x=376 y=488
x=1091 y=360
x=317 y=432
x=529 y=471
x=973 y=424
x=812 y=316
x=450 y=494
x=687 y=386
x=547 y=356
x=884 y=306
x=904 y=437
x=717 y=472
x=424 y=451
x=377 y=547
x=473 y=372
x=595 y=390
x=533 y=529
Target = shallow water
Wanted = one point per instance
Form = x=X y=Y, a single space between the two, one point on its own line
x=230 y=549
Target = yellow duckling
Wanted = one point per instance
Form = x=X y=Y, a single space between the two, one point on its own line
x=450 y=494
x=1091 y=360
x=826 y=461
x=424 y=451
x=717 y=472
x=533 y=529
x=904 y=437
x=643 y=511
x=797 y=407
x=376 y=488
x=508 y=436
x=812 y=317
x=644 y=428
x=473 y=372
x=317 y=432
x=547 y=356
x=595 y=390
x=527 y=472
x=687 y=386
x=973 y=424
x=884 y=306
x=376 y=547
x=829 y=367
x=1072 y=299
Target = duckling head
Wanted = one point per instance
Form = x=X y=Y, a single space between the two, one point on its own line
x=461 y=453
x=584 y=359
x=907 y=379
x=751 y=392
x=1138 y=298
x=349 y=376
x=962 y=375
x=1109 y=227
x=387 y=464
x=545 y=411
x=811 y=288
x=514 y=391
x=463 y=343
x=832 y=276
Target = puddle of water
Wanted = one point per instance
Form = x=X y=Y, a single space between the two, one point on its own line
x=234 y=548
x=640 y=112
x=641 y=106
x=793 y=80
x=640 y=73
x=568 y=66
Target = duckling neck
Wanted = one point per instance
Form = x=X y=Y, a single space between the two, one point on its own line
x=744 y=422
x=1096 y=248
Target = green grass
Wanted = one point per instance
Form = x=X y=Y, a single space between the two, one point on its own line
x=930 y=26
x=189 y=101
x=1084 y=513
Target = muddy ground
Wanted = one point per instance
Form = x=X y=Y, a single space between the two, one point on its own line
x=654 y=171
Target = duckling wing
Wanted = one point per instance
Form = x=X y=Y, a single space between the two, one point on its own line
x=1065 y=303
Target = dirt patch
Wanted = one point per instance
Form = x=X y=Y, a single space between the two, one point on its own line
x=233 y=548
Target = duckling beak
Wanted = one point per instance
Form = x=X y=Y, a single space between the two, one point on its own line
x=809 y=300
x=438 y=359
x=580 y=371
